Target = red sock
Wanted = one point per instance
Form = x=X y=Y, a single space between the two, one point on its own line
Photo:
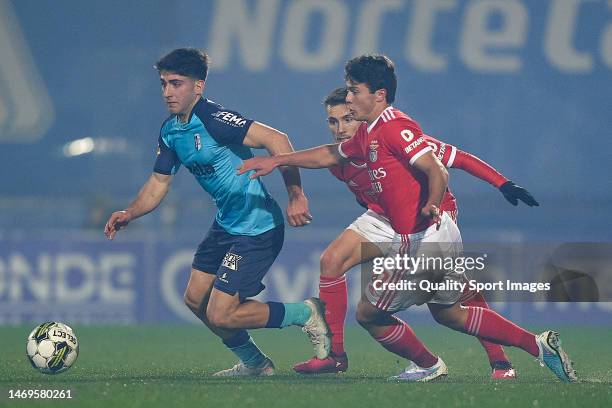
x=491 y=326
x=495 y=352
x=333 y=292
x=401 y=340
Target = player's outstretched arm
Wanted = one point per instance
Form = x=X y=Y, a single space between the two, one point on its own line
x=484 y=171
x=149 y=197
x=513 y=193
x=316 y=158
x=437 y=180
x=276 y=142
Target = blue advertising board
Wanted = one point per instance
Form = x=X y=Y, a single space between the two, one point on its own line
x=142 y=281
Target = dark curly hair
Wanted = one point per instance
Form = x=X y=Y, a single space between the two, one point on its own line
x=189 y=62
x=375 y=71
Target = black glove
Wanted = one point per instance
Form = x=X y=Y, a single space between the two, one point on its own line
x=513 y=193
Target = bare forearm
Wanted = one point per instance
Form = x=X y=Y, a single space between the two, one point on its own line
x=315 y=158
x=292 y=180
x=437 y=179
x=149 y=197
x=291 y=174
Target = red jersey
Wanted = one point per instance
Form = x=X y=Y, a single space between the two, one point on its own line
x=389 y=146
x=446 y=153
x=355 y=174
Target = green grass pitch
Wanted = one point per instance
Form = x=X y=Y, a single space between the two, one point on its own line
x=170 y=366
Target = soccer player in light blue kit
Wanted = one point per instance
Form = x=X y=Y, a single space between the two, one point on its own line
x=247 y=234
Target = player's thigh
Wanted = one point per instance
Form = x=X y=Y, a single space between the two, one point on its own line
x=394 y=290
x=375 y=230
x=247 y=261
x=368 y=237
x=443 y=243
x=398 y=289
x=198 y=288
x=212 y=250
x=347 y=250
x=206 y=262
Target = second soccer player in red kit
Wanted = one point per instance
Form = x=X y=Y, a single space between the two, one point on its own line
x=410 y=182
x=372 y=226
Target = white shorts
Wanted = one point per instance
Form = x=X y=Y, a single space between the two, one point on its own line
x=445 y=242
x=375 y=228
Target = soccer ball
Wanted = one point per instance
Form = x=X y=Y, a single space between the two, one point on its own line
x=52 y=347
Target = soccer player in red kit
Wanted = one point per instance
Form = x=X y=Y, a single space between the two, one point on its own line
x=410 y=182
x=343 y=253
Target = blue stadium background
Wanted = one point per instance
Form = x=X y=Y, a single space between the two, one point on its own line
x=525 y=85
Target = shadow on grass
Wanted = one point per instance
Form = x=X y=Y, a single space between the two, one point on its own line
x=135 y=379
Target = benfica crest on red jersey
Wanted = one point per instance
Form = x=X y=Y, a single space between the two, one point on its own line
x=373 y=151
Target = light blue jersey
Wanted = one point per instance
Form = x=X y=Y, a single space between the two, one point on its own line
x=210 y=146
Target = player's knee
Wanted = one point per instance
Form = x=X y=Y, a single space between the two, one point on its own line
x=193 y=304
x=219 y=318
x=439 y=318
x=447 y=317
x=364 y=315
x=331 y=264
x=361 y=319
x=214 y=317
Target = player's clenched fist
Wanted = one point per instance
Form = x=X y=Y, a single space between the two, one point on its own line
x=434 y=213
x=117 y=221
x=261 y=164
x=298 y=214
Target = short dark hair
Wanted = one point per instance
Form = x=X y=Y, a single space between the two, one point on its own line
x=189 y=62
x=375 y=71
x=336 y=97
